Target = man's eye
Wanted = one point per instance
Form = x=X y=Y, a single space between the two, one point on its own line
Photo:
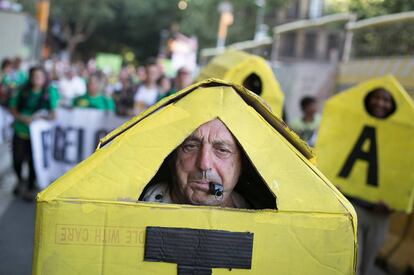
x=223 y=151
x=190 y=147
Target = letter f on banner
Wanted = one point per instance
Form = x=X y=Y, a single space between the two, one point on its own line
x=369 y=155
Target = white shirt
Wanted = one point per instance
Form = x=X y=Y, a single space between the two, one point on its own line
x=70 y=88
x=146 y=95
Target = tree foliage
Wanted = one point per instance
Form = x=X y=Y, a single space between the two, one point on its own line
x=89 y=26
x=136 y=27
x=384 y=40
x=75 y=21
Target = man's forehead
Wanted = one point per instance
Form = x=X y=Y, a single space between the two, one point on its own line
x=213 y=130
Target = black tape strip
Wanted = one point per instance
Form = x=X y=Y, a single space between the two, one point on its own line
x=191 y=270
x=199 y=247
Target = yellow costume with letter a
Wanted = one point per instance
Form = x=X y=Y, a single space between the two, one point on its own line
x=237 y=66
x=366 y=157
x=90 y=222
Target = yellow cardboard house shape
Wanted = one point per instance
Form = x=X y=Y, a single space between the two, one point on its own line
x=249 y=70
x=366 y=157
x=90 y=222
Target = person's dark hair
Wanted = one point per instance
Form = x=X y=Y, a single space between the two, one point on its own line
x=306 y=101
x=97 y=75
x=25 y=90
x=150 y=61
x=371 y=94
x=5 y=62
x=32 y=70
x=182 y=70
x=163 y=76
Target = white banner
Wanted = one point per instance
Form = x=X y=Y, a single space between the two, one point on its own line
x=61 y=144
x=6 y=120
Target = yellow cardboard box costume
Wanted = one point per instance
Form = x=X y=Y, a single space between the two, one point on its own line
x=90 y=222
x=369 y=158
x=248 y=70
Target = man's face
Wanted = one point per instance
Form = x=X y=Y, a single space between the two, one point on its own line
x=209 y=154
x=38 y=79
x=94 y=86
x=311 y=109
x=183 y=79
x=152 y=73
x=380 y=104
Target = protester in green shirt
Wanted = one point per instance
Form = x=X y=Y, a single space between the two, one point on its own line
x=19 y=75
x=33 y=101
x=7 y=86
x=182 y=80
x=94 y=98
x=307 y=126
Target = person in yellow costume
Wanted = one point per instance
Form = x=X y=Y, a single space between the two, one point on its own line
x=373 y=218
x=205 y=169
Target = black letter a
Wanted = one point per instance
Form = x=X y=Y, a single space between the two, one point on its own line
x=368 y=133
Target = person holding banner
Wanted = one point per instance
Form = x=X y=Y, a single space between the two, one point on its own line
x=94 y=98
x=35 y=100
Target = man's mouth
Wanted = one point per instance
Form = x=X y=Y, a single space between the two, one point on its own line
x=202 y=185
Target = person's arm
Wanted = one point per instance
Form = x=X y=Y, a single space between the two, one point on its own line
x=26 y=119
x=139 y=104
x=53 y=101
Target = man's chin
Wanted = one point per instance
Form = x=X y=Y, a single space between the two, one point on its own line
x=203 y=199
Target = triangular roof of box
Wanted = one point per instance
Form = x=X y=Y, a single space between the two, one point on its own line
x=131 y=155
x=236 y=66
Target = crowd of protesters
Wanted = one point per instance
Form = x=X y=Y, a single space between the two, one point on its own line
x=37 y=91
x=128 y=93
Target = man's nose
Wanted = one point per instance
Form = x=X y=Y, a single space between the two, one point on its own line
x=204 y=161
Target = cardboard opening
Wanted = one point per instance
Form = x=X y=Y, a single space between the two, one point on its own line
x=251 y=185
x=386 y=98
x=253 y=83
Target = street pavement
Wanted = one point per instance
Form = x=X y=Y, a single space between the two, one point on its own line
x=17 y=219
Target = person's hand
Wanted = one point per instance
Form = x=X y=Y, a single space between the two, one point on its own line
x=26 y=119
x=43 y=114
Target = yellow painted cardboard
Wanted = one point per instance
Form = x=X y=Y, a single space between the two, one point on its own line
x=344 y=118
x=235 y=66
x=89 y=220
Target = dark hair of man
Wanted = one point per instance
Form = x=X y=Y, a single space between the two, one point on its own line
x=5 y=62
x=160 y=79
x=306 y=101
x=150 y=61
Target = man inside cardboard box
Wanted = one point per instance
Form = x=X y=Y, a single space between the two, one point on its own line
x=205 y=169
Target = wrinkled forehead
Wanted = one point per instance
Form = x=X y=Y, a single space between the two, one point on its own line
x=383 y=94
x=214 y=130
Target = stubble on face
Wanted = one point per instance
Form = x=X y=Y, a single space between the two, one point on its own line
x=209 y=154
